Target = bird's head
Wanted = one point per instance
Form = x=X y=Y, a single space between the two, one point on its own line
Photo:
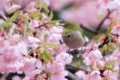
x=71 y=26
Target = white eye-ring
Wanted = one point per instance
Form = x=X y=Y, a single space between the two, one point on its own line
x=67 y=26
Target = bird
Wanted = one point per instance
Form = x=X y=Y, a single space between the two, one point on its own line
x=72 y=35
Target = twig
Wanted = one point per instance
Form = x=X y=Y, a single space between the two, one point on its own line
x=107 y=16
x=86 y=28
x=89 y=29
x=106 y=41
x=74 y=69
x=76 y=51
x=3 y=16
x=71 y=76
x=5 y=12
x=4 y=76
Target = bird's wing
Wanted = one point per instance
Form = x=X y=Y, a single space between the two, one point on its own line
x=80 y=29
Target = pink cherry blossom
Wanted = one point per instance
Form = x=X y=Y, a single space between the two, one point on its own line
x=54 y=38
x=108 y=4
x=33 y=24
x=95 y=75
x=26 y=78
x=81 y=75
x=17 y=52
x=65 y=58
x=93 y=57
x=12 y=67
x=33 y=39
x=20 y=2
x=42 y=77
x=16 y=78
x=116 y=30
x=3 y=45
x=57 y=70
x=115 y=56
x=31 y=6
x=119 y=39
x=59 y=75
x=95 y=54
x=30 y=65
x=87 y=61
x=111 y=74
x=14 y=7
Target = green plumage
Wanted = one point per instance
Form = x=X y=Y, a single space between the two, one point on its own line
x=72 y=27
x=72 y=35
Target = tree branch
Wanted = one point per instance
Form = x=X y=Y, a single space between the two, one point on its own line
x=89 y=29
x=71 y=76
x=107 y=16
x=3 y=16
x=74 y=69
x=106 y=41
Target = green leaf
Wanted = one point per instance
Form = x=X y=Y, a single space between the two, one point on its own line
x=111 y=63
x=30 y=30
x=51 y=15
x=51 y=44
x=44 y=6
x=109 y=68
x=42 y=50
x=15 y=16
x=110 y=28
x=6 y=25
x=11 y=10
x=54 y=22
x=97 y=37
x=40 y=56
x=2 y=25
x=105 y=47
x=45 y=37
x=35 y=14
x=91 y=67
x=111 y=48
x=39 y=74
x=49 y=74
x=46 y=56
x=27 y=23
x=45 y=62
x=50 y=58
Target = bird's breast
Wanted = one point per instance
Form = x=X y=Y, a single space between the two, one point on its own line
x=74 y=39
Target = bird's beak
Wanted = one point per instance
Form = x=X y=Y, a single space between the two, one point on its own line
x=61 y=24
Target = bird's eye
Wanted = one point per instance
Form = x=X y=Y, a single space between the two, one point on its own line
x=67 y=26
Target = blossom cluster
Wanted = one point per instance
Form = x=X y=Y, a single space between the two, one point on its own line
x=31 y=42
x=32 y=35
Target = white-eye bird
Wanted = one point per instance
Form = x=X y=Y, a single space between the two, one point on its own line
x=72 y=35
